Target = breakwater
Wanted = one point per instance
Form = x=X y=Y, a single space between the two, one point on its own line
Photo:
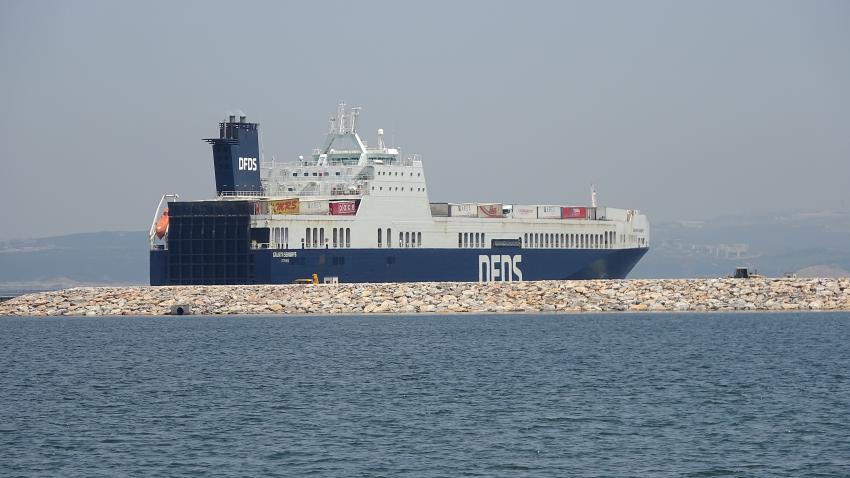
x=446 y=297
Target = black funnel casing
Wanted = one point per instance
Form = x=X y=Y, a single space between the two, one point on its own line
x=236 y=157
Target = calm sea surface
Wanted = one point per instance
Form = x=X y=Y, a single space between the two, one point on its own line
x=422 y=396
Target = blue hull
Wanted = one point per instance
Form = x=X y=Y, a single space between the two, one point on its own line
x=269 y=266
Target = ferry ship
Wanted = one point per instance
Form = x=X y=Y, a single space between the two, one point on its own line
x=354 y=213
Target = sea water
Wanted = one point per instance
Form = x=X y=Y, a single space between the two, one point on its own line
x=465 y=395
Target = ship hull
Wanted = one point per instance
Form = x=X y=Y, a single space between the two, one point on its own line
x=284 y=266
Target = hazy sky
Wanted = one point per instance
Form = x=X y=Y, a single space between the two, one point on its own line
x=685 y=110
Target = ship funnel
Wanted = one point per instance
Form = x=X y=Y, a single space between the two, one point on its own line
x=236 y=157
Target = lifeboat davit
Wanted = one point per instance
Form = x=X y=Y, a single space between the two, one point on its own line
x=162 y=224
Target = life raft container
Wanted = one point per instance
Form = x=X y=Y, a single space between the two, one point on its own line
x=162 y=224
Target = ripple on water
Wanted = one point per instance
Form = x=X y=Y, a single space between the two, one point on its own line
x=602 y=395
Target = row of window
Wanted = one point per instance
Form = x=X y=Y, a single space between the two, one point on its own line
x=389 y=188
x=469 y=239
x=317 y=173
x=279 y=238
x=634 y=238
x=569 y=241
x=390 y=173
x=341 y=237
x=405 y=239
x=315 y=237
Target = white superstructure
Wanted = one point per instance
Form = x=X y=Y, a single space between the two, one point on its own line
x=392 y=208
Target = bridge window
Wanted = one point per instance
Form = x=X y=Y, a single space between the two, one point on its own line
x=459 y=239
x=335 y=238
x=413 y=239
x=379 y=237
x=406 y=239
x=483 y=242
x=315 y=237
x=321 y=237
x=477 y=237
x=389 y=237
x=419 y=238
x=347 y=237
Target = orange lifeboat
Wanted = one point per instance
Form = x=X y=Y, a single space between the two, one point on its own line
x=162 y=224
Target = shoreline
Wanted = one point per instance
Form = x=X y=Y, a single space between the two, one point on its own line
x=585 y=296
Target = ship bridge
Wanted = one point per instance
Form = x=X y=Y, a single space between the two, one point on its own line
x=344 y=166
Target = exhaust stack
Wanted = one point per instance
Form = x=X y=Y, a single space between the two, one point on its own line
x=236 y=157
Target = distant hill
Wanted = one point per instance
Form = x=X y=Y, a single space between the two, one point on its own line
x=75 y=259
x=806 y=244
x=798 y=243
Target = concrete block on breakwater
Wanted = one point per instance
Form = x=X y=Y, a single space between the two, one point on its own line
x=446 y=297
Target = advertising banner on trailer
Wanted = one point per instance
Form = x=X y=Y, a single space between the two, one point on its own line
x=284 y=206
x=573 y=213
x=343 y=208
x=489 y=210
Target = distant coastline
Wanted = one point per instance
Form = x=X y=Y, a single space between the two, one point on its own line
x=636 y=295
